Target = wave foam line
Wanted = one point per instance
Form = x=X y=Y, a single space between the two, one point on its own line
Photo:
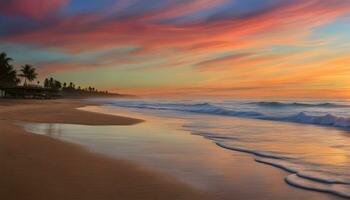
x=341 y=190
x=297 y=104
x=208 y=108
x=254 y=152
x=300 y=177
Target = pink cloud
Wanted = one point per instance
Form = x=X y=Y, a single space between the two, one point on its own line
x=179 y=9
x=36 y=9
x=287 y=24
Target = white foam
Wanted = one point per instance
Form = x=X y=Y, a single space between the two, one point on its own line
x=328 y=119
x=311 y=180
x=264 y=154
x=305 y=112
x=282 y=164
x=307 y=173
x=323 y=177
x=301 y=176
x=342 y=190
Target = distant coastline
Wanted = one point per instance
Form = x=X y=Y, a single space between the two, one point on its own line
x=79 y=95
x=22 y=85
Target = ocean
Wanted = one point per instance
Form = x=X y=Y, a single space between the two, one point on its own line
x=309 y=139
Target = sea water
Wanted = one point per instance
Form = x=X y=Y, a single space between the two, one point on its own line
x=308 y=139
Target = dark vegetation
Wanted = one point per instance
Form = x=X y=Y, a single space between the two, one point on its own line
x=11 y=87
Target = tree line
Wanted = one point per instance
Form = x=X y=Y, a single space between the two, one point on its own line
x=9 y=77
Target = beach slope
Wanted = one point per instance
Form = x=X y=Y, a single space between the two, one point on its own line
x=35 y=167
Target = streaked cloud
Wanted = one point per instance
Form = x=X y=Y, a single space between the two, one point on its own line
x=36 y=9
x=222 y=40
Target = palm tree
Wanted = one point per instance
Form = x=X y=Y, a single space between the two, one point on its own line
x=4 y=60
x=46 y=83
x=57 y=85
x=28 y=73
x=8 y=75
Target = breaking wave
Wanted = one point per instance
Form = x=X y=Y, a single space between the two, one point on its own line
x=297 y=104
x=305 y=171
x=213 y=109
x=302 y=175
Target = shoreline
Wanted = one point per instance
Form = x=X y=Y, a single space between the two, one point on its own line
x=39 y=167
x=58 y=111
x=190 y=157
x=42 y=167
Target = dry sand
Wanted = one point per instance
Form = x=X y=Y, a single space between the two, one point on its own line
x=34 y=167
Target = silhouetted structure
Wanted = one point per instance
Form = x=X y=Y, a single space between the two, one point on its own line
x=29 y=92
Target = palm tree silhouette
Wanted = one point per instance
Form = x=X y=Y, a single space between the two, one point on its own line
x=4 y=60
x=28 y=73
x=8 y=75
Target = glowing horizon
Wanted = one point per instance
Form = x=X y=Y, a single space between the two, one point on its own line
x=242 y=48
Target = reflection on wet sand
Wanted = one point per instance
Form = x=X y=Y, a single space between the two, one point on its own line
x=161 y=144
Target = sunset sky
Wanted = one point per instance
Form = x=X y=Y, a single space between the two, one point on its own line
x=241 y=48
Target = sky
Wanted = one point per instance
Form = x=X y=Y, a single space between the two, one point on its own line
x=233 y=48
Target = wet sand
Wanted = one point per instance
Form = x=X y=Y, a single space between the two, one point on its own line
x=146 y=161
x=57 y=111
x=35 y=167
x=164 y=144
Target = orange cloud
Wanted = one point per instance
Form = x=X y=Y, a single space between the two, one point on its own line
x=202 y=43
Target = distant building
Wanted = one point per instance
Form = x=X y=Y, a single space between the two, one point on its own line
x=2 y=93
x=29 y=92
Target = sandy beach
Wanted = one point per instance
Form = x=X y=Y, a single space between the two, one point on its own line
x=144 y=157
x=35 y=167
x=174 y=99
